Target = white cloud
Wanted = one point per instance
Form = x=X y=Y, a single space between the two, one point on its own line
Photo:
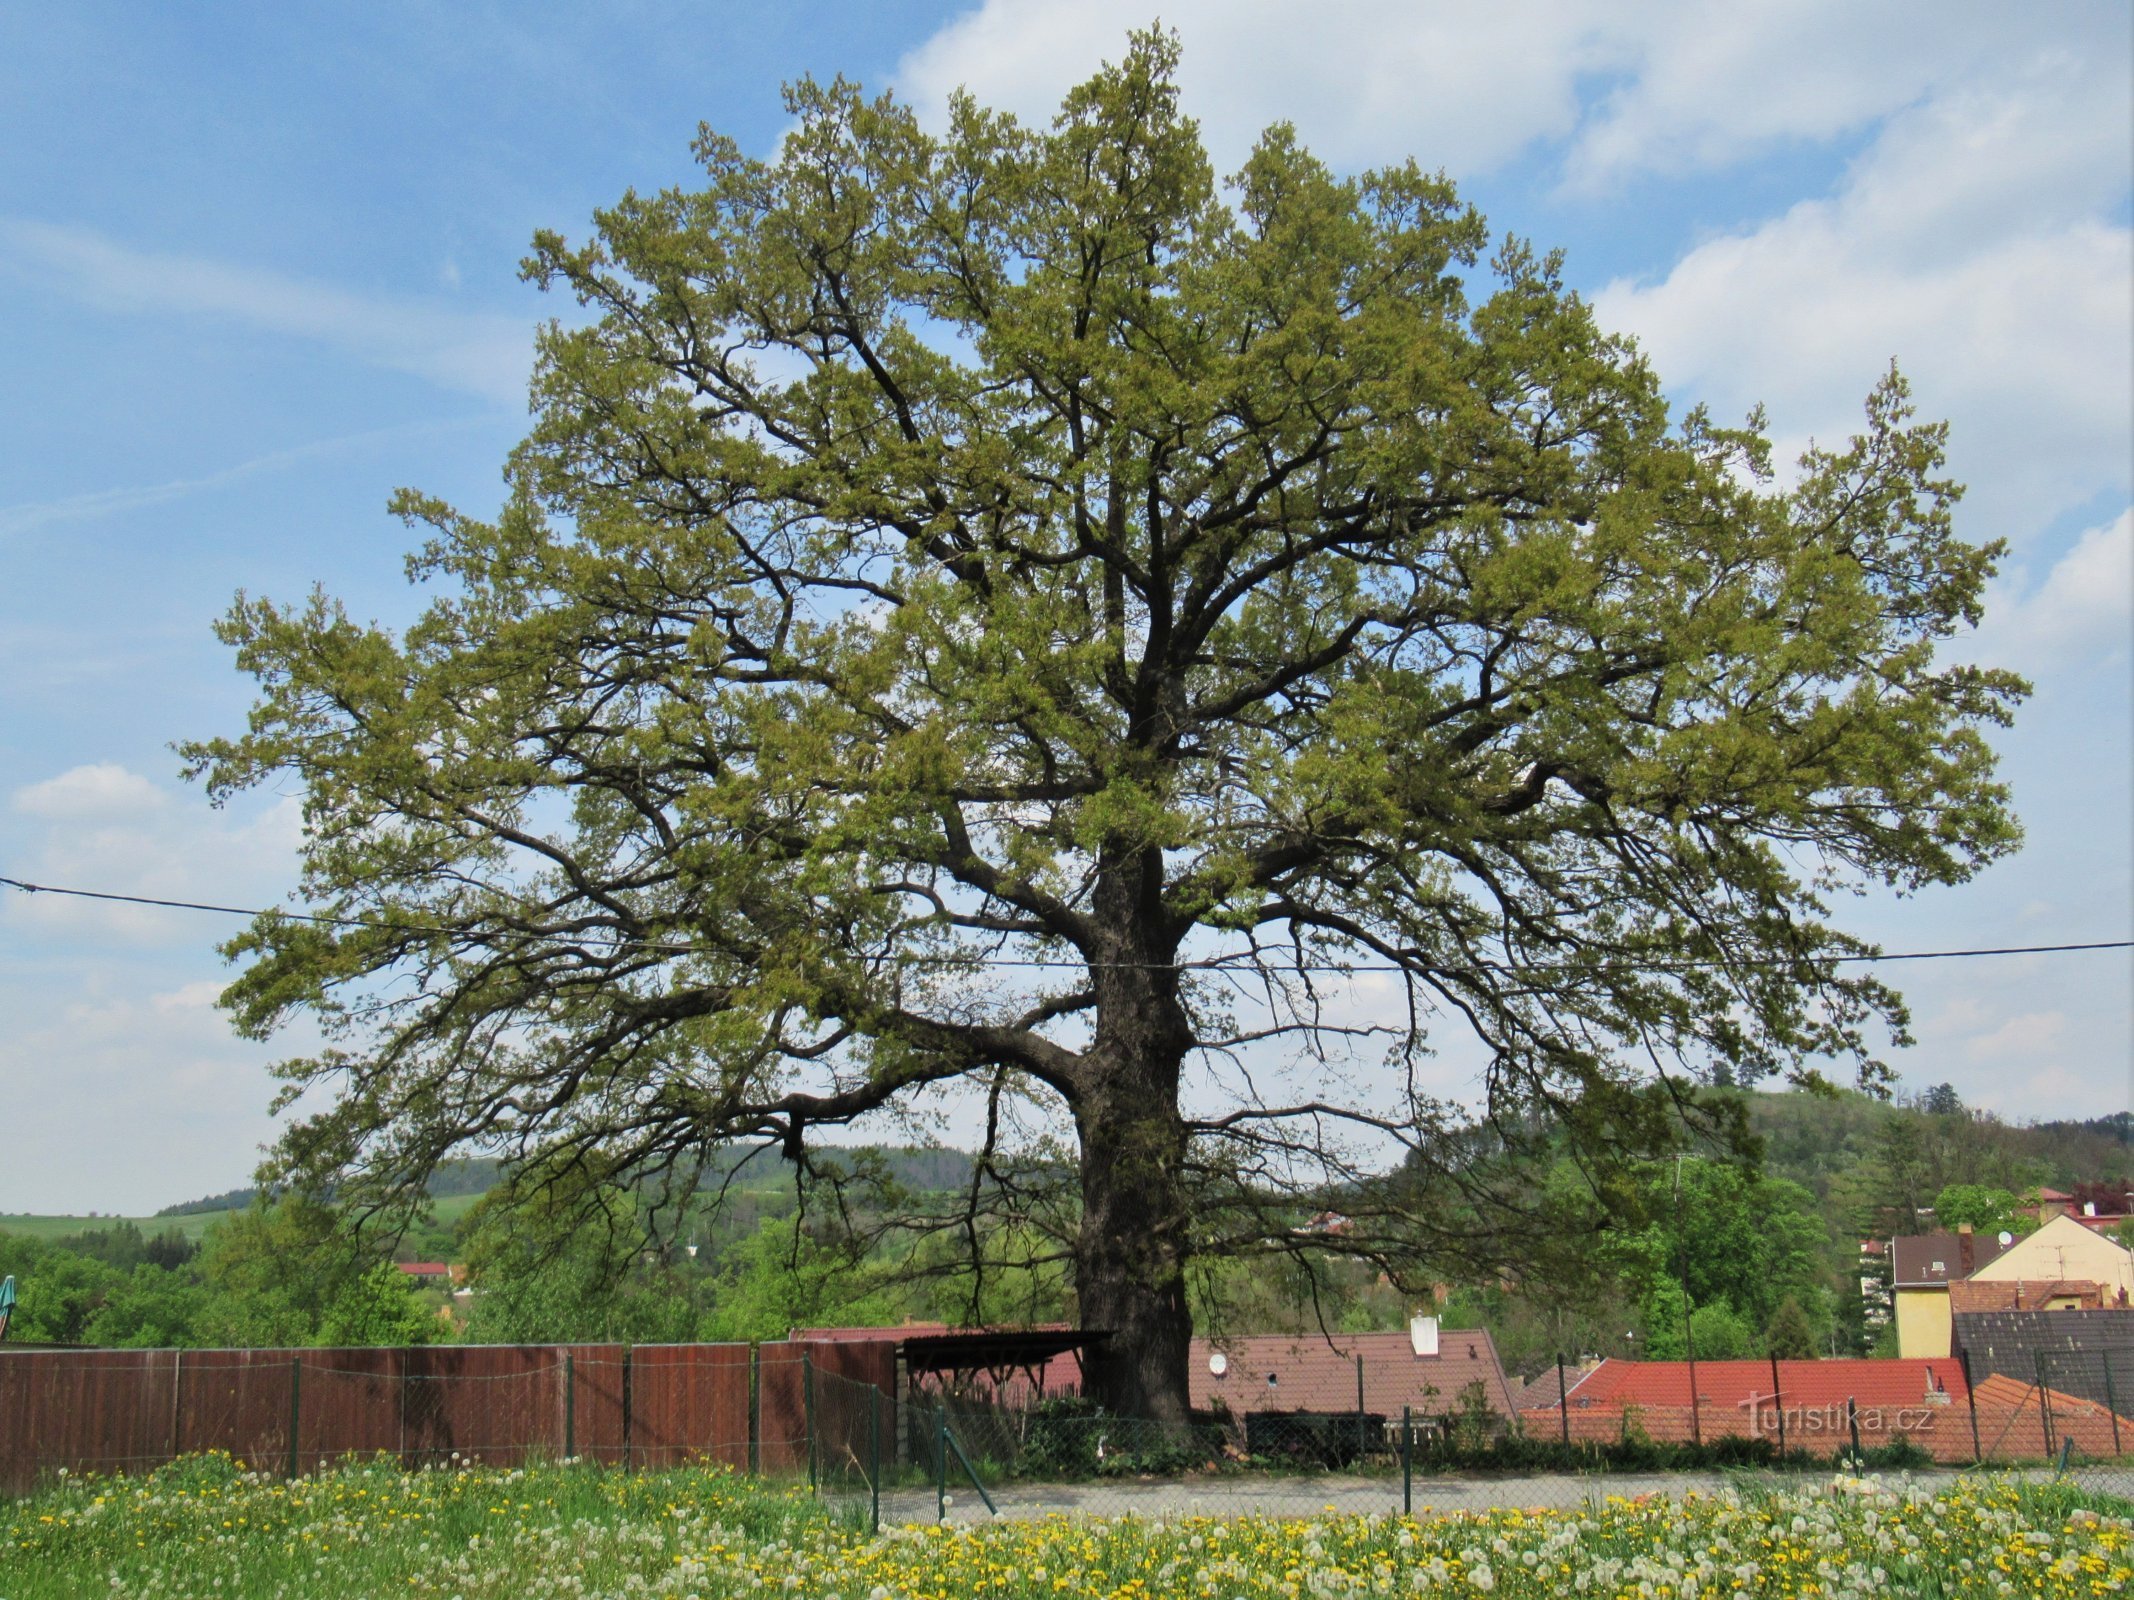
x=1462 y=87
x=1713 y=85
x=2080 y=615
x=105 y=828
x=477 y=352
x=103 y=790
x=1687 y=86
x=125 y=1097
x=1977 y=243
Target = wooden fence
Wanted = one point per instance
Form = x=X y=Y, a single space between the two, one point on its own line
x=292 y=1411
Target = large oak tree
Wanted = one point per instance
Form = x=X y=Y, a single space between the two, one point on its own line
x=1003 y=606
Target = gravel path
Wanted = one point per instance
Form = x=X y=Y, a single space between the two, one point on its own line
x=1243 y=1495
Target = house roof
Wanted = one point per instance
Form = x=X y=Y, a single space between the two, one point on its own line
x=1935 y=1260
x=1998 y=1391
x=1868 y=1383
x=425 y=1269
x=1542 y=1390
x=1315 y=1372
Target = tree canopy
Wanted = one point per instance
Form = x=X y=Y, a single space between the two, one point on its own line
x=1002 y=606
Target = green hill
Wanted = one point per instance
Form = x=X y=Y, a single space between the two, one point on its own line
x=31 y=1225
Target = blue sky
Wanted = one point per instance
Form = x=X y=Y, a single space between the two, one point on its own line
x=260 y=267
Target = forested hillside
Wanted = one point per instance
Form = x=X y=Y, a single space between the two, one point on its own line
x=1769 y=1259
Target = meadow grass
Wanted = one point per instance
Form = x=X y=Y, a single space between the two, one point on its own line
x=204 y=1527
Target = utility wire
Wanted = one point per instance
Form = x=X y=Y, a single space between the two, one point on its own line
x=658 y=947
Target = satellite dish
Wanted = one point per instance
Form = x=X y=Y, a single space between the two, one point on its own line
x=2007 y=1238
x=1218 y=1363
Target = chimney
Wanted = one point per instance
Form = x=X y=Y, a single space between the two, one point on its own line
x=1422 y=1335
x=1964 y=1247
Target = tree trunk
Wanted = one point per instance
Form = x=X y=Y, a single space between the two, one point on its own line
x=1130 y=1257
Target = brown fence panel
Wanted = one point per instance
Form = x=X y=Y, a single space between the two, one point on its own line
x=349 y=1404
x=781 y=1408
x=500 y=1405
x=593 y=1415
x=239 y=1401
x=689 y=1402
x=853 y=1403
x=84 y=1411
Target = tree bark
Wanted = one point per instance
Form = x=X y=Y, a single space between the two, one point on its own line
x=1135 y=1238
x=1131 y=1254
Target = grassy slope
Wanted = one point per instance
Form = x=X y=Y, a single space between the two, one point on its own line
x=30 y=1226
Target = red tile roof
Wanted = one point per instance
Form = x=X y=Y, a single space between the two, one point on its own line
x=1870 y=1383
x=1313 y=1374
x=1310 y=1374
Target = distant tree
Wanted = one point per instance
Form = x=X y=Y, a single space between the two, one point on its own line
x=1721 y=1333
x=154 y=1308
x=1981 y=1209
x=1663 y=1322
x=1736 y=1239
x=992 y=604
x=59 y=1292
x=1791 y=1333
x=1942 y=1101
x=545 y=1271
x=381 y=1306
x=785 y=1278
x=295 y=1273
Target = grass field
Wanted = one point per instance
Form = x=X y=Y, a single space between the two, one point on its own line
x=203 y=1527
x=194 y=1226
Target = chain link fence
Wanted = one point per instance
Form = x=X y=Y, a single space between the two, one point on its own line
x=807 y=1414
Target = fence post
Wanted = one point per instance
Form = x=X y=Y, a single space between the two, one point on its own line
x=296 y=1391
x=1563 y=1400
x=2044 y=1402
x=627 y=1406
x=941 y=1460
x=1852 y=1422
x=2111 y=1402
x=1778 y=1404
x=1407 y=1461
x=1978 y=1454
x=1359 y=1406
x=755 y=1410
x=807 y=1409
x=177 y=1369
x=874 y=1458
x=570 y=1406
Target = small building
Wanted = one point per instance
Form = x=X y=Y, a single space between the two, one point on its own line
x=440 y=1274
x=1922 y=1266
x=1433 y=1374
x=2064 y=1251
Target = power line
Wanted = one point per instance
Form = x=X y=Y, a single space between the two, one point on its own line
x=660 y=947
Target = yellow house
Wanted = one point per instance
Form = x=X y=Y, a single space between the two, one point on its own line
x=2064 y=1251
x=1922 y=1266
